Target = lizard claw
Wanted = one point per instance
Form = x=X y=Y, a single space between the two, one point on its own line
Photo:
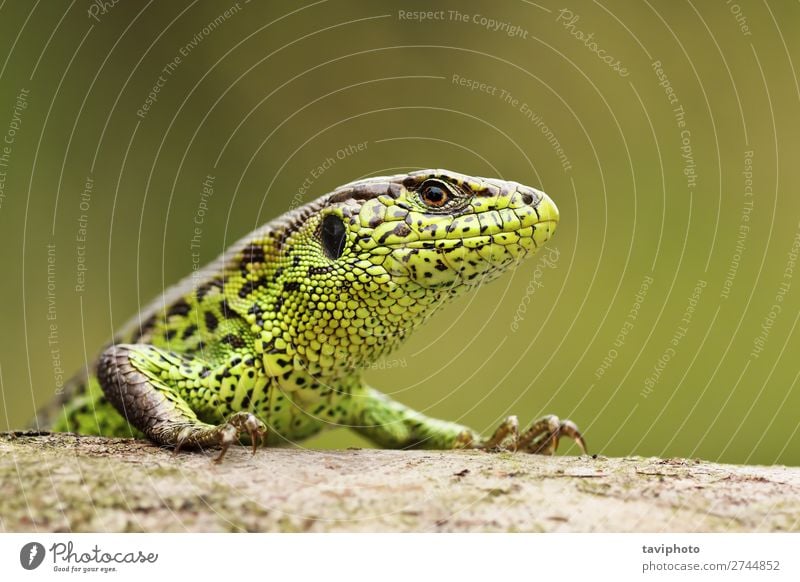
x=508 y=428
x=239 y=423
x=540 y=438
x=223 y=435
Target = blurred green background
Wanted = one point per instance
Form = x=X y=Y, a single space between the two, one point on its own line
x=666 y=132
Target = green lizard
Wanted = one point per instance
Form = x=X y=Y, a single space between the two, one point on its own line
x=268 y=341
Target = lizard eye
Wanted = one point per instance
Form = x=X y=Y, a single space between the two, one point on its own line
x=333 y=236
x=434 y=193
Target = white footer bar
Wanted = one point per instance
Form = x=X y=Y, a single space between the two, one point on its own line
x=399 y=557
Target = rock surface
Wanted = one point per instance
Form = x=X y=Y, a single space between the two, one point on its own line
x=63 y=482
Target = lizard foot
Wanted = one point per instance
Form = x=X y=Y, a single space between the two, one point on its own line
x=540 y=438
x=225 y=434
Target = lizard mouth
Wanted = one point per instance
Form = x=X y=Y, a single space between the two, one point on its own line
x=540 y=232
x=448 y=252
x=466 y=261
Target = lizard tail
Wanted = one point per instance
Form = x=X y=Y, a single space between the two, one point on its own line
x=83 y=408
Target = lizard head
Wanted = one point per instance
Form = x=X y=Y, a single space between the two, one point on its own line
x=433 y=230
x=353 y=272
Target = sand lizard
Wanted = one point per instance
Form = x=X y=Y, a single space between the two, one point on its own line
x=268 y=341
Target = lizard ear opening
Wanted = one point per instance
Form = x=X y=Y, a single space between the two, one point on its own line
x=333 y=236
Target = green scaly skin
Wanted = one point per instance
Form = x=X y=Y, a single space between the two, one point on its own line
x=269 y=340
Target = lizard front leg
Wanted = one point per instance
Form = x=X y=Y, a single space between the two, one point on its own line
x=390 y=424
x=152 y=388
